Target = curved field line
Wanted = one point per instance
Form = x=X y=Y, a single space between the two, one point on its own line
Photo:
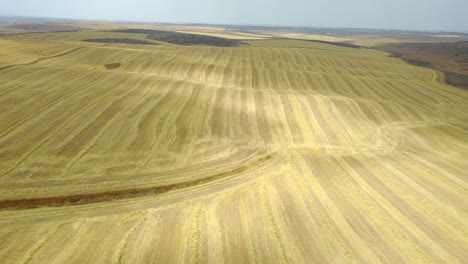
x=61 y=54
x=101 y=132
x=90 y=198
x=124 y=243
x=41 y=110
x=41 y=243
x=60 y=129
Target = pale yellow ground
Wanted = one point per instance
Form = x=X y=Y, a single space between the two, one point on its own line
x=227 y=34
x=313 y=37
x=278 y=152
x=447 y=36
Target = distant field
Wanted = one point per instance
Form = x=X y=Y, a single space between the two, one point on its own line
x=279 y=151
x=43 y=27
x=186 y=39
x=451 y=58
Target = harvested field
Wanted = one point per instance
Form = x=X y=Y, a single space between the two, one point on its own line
x=281 y=151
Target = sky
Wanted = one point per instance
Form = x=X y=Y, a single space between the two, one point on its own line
x=446 y=15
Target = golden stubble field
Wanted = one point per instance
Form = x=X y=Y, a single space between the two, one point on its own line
x=279 y=152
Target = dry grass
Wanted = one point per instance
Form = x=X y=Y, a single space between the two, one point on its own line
x=278 y=152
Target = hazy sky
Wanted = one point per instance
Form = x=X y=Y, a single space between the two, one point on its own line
x=393 y=14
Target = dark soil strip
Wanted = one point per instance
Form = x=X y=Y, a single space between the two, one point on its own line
x=400 y=56
x=452 y=78
x=456 y=79
x=184 y=38
x=120 y=41
x=90 y=198
x=420 y=63
x=341 y=44
x=436 y=56
x=112 y=66
x=140 y=31
x=191 y=39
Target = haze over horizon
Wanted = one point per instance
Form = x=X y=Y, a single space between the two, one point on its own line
x=444 y=15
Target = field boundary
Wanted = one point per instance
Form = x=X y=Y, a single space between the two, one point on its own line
x=91 y=198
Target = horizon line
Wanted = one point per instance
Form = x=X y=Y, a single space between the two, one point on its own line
x=53 y=19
